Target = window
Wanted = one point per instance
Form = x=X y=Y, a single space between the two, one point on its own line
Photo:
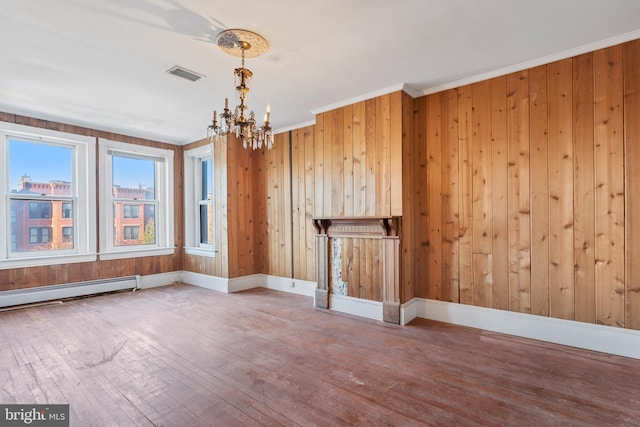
x=66 y=210
x=67 y=234
x=138 y=185
x=46 y=175
x=40 y=210
x=199 y=201
x=131 y=232
x=131 y=211
x=39 y=235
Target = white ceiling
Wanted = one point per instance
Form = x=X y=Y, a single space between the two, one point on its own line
x=102 y=63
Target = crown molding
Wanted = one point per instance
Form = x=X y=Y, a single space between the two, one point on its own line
x=294 y=127
x=569 y=53
x=384 y=91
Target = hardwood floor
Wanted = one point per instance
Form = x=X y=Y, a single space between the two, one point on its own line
x=187 y=356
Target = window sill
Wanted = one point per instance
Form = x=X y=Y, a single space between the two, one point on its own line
x=136 y=253
x=200 y=252
x=42 y=261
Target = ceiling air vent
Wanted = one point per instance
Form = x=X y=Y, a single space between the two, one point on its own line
x=179 y=71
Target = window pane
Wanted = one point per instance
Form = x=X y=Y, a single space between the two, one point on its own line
x=38 y=168
x=40 y=226
x=133 y=179
x=206 y=226
x=206 y=180
x=134 y=224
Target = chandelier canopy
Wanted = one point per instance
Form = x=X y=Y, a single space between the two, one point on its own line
x=245 y=44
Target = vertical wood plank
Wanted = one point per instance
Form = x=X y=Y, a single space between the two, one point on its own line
x=327 y=163
x=336 y=178
x=434 y=195
x=450 y=197
x=482 y=210
x=297 y=194
x=328 y=188
x=482 y=198
x=377 y=285
x=408 y=238
x=369 y=265
x=357 y=256
x=631 y=56
x=465 y=141
x=483 y=279
x=420 y=194
x=274 y=203
x=538 y=116
x=359 y=160
x=609 y=179
x=347 y=159
x=370 y=156
x=395 y=153
x=584 y=202
x=500 y=195
x=561 y=278
x=319 y=172
x=348 y=261
x=383 y=156
x=519 y=193
x=309 y=151
x=284 y=191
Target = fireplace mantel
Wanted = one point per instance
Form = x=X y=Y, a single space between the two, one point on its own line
x=357 y=226
x=386 y=229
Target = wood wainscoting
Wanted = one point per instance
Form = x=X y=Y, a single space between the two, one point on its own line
x=366 y=252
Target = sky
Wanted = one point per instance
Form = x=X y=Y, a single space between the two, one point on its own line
x=44 y=163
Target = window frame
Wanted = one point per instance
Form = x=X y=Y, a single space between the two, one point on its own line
x=192 y=191
x=83 y=197
x=163 y=189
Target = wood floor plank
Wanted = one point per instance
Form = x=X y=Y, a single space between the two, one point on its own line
x=186 y=356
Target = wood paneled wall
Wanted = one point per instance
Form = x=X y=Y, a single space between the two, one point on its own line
x=524 y=191
x=303 y=197
x=357 y=159
x=218 y=266
x=348 y=164
x=273 y=210
x=77 y=272
x=239 y=212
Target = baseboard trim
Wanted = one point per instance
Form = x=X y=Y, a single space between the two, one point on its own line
x=292 y=286
x=356 y=306
x=408 y=311
x=214 y=283
x=161 y=279
x=239 y=284
x=606 y=339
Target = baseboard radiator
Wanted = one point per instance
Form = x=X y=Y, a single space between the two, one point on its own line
x=68 y=290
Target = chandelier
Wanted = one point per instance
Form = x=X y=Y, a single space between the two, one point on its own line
x=244 y=44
